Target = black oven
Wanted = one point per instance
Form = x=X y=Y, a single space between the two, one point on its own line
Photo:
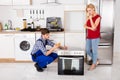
x=71 y=65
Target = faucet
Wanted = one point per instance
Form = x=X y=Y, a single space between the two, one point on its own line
x=10 y=24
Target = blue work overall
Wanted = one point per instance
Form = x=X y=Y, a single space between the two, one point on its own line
x=42 y=59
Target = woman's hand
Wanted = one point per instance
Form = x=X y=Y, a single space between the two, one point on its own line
x=90 y=17
x=87 y=15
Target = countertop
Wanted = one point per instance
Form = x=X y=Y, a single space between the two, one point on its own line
x=15 y=32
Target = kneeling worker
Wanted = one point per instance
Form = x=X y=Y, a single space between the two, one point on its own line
x=40 y=55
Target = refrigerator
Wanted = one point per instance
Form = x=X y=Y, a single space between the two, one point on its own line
x=105 y=49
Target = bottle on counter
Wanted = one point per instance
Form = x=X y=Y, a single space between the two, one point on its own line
x=24 y=23
x=1 y=27
x=32 y=25
x=6 y=26
x=29 y=25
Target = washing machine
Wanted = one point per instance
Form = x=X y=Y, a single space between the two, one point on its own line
x=24 y=43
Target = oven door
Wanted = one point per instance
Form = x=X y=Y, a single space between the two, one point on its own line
x=71 y=65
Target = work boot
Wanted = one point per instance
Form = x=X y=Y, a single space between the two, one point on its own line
x=38 y=68
x=45 y=67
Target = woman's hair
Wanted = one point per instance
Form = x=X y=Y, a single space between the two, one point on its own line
x=44 y=31
x=90 y=6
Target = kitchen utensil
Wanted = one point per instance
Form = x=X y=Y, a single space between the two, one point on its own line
x=24 y=24
x=30 y=14
x=37 y=15
x=40 y=13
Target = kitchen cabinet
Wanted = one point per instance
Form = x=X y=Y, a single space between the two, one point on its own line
x=6 y=2
x=72 y=1
x=74 y=21
x=54 y=37
x=75 y=40
x=22 y=2
x=74 y=7
x=73 y=4
x=75 y=36
x=7 y=46
x=15 y=2
x=57 y=38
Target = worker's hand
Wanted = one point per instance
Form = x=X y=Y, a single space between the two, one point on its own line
x=65 y=47
x=56 y=46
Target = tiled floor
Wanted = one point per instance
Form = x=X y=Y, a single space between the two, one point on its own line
x=26 y=71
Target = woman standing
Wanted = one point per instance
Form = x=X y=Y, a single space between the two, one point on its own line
x=93 y=34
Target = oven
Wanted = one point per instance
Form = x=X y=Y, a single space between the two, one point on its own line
x=71 y=63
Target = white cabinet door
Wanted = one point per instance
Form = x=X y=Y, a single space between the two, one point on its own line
x=74 y=21
x=57 y=38
x=72 y=1
x=75 y=40
x=37 y=36
x=54 y=37
x=22 y=2
x=5 y=2
x=6 y=45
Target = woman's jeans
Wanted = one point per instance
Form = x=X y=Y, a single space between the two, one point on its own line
x=92 y=48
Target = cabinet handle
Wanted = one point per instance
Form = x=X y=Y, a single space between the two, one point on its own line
x=77 y=58
x=104 y=46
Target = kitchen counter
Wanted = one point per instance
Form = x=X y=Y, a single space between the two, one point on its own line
x=15 y=31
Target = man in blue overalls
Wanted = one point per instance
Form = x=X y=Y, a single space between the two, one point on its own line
x=40 y=55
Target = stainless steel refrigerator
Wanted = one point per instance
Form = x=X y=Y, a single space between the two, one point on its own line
x=106 y=9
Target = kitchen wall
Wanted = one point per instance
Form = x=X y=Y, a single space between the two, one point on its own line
x=17 y=13
x=117 y=28
x=49 y=11
x=6 y=13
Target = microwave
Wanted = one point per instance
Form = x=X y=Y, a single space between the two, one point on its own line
x=54 y=24
x=71 y=65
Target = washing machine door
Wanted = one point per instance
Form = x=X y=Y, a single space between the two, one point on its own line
x=24 y=45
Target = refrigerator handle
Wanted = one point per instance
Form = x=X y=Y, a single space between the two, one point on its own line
x=100 y=7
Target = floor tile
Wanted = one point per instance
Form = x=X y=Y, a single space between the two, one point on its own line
x=27 y=71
